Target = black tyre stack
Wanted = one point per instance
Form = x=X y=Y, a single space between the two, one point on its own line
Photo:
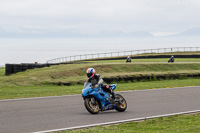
x=15 y=68
x=31 y=66
x=38 y=65
x=24 y=66
x=9 y=69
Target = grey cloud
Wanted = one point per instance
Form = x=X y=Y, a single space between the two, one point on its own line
x=93 y=17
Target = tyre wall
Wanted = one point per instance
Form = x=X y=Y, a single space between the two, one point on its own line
x=15 y=68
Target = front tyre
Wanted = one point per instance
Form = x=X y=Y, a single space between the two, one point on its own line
x=120 y=102
x=92 y=105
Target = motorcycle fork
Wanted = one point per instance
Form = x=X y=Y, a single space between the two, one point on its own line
x=93 y=101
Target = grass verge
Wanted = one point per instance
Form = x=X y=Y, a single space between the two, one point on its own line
x=2 y=71
x=173 y=124
x=73 y=73
x=42 y=91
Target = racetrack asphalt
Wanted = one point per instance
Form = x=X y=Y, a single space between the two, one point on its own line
x=40 y=114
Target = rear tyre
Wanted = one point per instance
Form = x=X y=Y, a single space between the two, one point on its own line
x=92 y=105
x=121 y=104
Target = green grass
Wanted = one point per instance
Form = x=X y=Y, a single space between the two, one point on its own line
x=71 y=73
x=41 y=81
x=42 y=91
x=2 y=71
x=37 y=91
x=173 y=124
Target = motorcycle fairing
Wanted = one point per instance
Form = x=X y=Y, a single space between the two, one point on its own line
x=100 y=95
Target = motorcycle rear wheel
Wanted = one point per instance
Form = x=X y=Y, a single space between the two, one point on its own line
x=91 y=107
x=120 y=107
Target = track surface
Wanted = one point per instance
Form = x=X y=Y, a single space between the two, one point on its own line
x=40 y=114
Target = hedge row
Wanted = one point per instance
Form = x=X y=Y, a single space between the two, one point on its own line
x=136 y=78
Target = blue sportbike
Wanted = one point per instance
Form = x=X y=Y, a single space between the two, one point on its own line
x=96 y=99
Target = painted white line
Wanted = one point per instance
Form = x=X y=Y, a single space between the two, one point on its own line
x=116 y=122
x=158 y=89
x=35 y=98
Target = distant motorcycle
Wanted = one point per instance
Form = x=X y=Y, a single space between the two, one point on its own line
x=128 y=59
x=171 y=60
x=96 y=99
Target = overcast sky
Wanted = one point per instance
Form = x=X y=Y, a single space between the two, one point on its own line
x=96 y=16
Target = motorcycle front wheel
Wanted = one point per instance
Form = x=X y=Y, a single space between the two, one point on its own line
x=92 y=105
x=121 y=104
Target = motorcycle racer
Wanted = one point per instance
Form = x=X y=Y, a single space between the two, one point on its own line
x=96 y=81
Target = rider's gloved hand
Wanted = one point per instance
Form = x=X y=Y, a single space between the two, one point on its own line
x=95 y=86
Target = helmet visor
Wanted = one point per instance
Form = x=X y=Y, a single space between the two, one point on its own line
x=89 y=75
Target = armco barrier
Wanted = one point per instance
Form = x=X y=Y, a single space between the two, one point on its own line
x=98 y=56
x=15 y=68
